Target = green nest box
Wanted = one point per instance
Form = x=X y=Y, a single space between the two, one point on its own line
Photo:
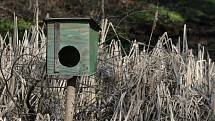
x=72 y=46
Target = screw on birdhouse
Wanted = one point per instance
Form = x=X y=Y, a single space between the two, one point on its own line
x=72 y=45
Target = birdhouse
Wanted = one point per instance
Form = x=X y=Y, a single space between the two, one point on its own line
x=72 y=46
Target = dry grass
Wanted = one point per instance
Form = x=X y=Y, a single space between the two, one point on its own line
x=167 y=83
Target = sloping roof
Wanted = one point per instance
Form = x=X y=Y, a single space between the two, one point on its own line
x=92 y=23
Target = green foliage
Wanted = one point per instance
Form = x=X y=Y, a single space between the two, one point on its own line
x=210 y=1
x=145 y=16
x=175 y=17
x=193 y=11
x=172 y=16
x=173 y=11
x=165 y=15
x=24 y=24
x=7 y=25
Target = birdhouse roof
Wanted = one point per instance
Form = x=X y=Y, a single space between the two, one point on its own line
x=92 y=23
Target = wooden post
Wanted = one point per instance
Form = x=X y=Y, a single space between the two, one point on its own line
x=70 y=99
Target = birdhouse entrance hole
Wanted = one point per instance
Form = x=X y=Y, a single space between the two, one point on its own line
x=69 y=56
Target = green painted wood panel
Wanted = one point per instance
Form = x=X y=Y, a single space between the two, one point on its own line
x=94 y=38
x=50 y=49
x=77 y=35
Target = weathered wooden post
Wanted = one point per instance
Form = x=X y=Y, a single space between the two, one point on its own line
x=70 y=98
x=71 y=52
